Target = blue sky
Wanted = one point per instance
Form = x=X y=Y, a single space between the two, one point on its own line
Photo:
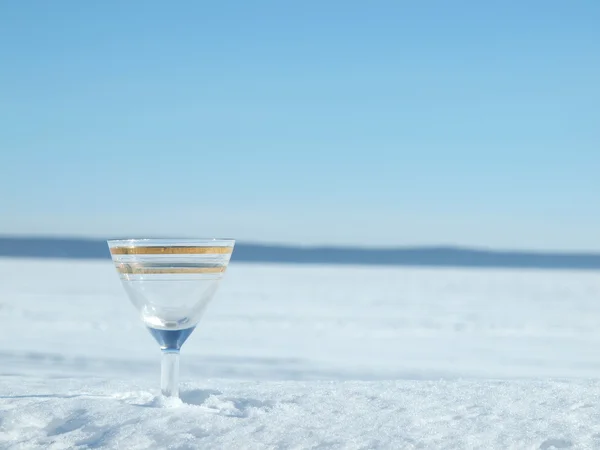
x=363 y=123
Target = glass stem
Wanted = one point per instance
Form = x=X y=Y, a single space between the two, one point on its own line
x=169 y=373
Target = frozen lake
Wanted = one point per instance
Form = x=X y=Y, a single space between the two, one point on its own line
x=391 y=355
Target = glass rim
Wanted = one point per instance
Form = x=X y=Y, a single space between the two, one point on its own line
x=133 y=242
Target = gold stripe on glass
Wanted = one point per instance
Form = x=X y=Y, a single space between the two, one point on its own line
x=137 y=270
x=156 y=250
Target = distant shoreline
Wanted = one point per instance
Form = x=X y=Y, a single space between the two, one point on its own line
x=82 y=248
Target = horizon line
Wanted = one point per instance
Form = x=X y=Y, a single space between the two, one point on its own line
x=338 y=247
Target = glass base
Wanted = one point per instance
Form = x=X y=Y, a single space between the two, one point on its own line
x=169 y=373
x=170 y=342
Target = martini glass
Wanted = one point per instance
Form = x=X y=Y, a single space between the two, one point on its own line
x=170 y=282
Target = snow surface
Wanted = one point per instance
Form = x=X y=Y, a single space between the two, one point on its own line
x=298 y=356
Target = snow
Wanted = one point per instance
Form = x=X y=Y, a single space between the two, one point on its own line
x=305 y=356
x=316 y=414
